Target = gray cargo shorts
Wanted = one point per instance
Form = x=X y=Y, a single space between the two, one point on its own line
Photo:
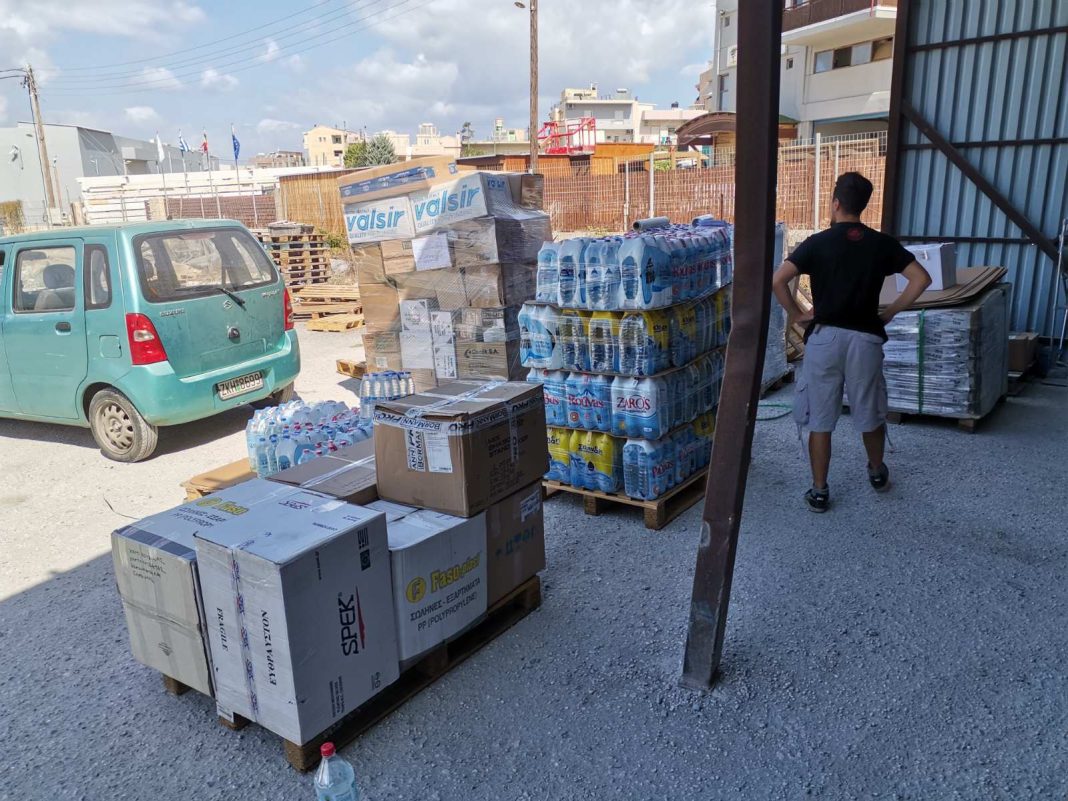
x=837 y=358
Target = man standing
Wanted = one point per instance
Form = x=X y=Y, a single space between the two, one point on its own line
x=845 y=332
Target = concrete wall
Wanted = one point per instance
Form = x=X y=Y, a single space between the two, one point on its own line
x=848 y=92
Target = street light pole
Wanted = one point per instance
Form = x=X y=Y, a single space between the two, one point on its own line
x=533 y=135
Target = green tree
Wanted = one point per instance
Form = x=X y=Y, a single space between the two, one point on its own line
x=380 y=151
x=356 y=155
x=473 y=150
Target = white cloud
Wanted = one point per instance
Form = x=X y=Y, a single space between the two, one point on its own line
x=44 y=19
x=269 y=126
x=3 y=109
x=271 y=53
x=141 y=114
x=211 y=78
x=295 y=63
x=159 y=78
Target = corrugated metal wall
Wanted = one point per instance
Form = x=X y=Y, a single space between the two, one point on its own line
x=1003 y=101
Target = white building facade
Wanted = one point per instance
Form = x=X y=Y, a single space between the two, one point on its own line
x=835 y=64
x=620 y=117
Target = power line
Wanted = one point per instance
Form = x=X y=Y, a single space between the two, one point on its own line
x=200 y=46
x=70 y=81
x=243 y=63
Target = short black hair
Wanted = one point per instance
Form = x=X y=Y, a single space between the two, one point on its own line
x=853 y=191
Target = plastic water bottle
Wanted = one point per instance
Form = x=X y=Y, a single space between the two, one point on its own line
x=648 y=469
x=572 y=269
x=604 y=342
x=576 y=460
x=287 y=449
x=527 y=319
x=576 y=390
x=573 y=333
x=600 y=417
x=645 y=272
x=335 y=780
x=552 y=385
x=610 y=280
x=558 y=441
x=548 y=276
x=594 y=274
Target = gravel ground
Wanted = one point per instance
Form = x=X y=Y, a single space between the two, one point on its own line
x=907 y=646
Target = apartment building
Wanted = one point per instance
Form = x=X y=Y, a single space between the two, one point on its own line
x=428 y=142
x=620 y=117
x=835 y=64
x=324 y=146
x=279 y=158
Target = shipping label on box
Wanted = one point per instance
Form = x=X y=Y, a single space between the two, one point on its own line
x=378 y=220
x=439 y=575
x=443 y=326
x=299 y=589
x=445 y=360
x=431 y=252
x=416 y=350
x=415 y=314
x=498 y=361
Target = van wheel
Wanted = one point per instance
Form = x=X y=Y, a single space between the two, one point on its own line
x=276 y=398
x=119 y=429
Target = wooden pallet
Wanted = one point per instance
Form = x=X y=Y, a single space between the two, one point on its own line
x=432 y=666
x=969 y=424
x=335 y=322
x=776 y=384
x=658 y=512
x=352 y=369
x=279 y=239
x=333 y=293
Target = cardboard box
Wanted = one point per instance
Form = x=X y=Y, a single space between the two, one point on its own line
x=453 y=295
x=1022 y=349
x=379 y=220
x=298 y=590
x=443 y=326
x=939 y=260
x=462 y=446
x=492 y=240
x=465 y=197
x=348 y=474
x=390 y=180
x=500 y=284
x=156 y=573
x=439 y=574
x=424 y=381
x=515 y=541
x=381 y=306
x=489 y=361
x=417 y=351
x=382 y=359
x=217 y=479
x=445 y=361
x=415 y=315
x=370 y=267
x=423 y=285
x=528 y=190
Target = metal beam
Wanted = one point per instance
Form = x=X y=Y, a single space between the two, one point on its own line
x=968 y=240
x=977 y=178
x=992 y=143
x=993 y=37
x=759 y=42
x=894 y=132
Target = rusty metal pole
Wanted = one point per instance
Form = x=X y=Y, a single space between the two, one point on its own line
x=759 y=41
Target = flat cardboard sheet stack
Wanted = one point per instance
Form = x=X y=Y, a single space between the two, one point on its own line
x=951 y=361
x=444 y=257
x=775 y=350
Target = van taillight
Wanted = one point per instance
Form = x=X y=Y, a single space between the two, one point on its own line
x=145 y=344
x=287 y=314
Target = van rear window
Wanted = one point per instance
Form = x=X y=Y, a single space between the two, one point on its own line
x=186 y=264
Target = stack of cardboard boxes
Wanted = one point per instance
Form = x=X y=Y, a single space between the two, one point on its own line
x=297 y=599
x=444 y=258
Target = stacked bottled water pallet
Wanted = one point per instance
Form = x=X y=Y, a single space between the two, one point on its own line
x=626 y=337
x=283 y=436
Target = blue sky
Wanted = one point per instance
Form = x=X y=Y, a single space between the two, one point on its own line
x=275 y=68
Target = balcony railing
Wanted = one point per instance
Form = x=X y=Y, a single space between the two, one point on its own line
x=799 y=14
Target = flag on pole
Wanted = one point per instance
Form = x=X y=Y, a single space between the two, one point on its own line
x=182 y=145
x=160 y=155
x=204 y=144
x=237 y=145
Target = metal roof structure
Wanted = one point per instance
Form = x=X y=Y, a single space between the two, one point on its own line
x=978 y=140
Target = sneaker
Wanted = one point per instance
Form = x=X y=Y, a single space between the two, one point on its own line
x=818 y=500
x=880 y=479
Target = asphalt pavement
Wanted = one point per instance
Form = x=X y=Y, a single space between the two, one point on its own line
x=906 y=646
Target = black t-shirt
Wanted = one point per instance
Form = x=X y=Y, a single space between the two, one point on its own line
x=847 y=265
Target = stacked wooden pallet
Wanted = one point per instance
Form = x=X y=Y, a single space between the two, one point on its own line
x=301 y=258
x=328 y=307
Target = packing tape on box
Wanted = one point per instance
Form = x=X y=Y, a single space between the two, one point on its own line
x=325 y=477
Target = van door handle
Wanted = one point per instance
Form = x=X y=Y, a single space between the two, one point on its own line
x=63 y=328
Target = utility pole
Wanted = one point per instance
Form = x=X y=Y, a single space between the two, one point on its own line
x=42 y=149
x=533 y=86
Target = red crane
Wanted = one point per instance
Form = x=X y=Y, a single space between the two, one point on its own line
x=568 y=138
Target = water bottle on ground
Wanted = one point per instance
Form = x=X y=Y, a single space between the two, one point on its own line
x=335 y=780
x=548 y=276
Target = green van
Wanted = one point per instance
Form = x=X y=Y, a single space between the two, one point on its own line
x=130 y=327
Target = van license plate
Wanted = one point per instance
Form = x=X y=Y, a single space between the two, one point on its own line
x=241 y=385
